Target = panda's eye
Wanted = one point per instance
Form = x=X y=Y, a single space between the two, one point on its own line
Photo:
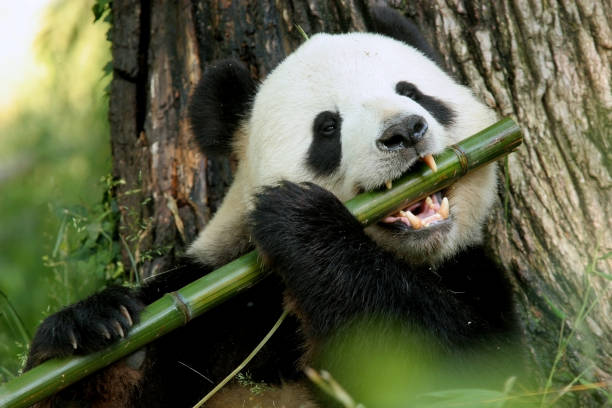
x=408 y=90
x=327 y=124
x=325 y=151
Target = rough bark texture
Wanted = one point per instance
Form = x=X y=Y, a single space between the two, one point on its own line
x=545 y=63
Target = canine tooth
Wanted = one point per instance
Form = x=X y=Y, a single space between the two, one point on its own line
x=444 y=208
x=414 y=220
x=431 y=163
x=388 y=184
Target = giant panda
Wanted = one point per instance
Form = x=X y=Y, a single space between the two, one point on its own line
x=342 y=114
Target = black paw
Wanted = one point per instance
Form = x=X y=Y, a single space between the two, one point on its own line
x=87 y=326
x=294 y=218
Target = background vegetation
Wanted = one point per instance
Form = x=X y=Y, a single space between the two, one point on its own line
x=54 y=155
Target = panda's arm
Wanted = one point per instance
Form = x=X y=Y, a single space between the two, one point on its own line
x=335 y=272
x=105 y=317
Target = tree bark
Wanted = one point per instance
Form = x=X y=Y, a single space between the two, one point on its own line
x=545 y=63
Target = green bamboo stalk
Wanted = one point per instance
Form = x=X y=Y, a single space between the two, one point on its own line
x=177 y=308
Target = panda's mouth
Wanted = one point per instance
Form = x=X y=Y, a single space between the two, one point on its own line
x=432 y=210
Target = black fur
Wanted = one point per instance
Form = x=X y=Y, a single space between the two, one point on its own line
x=221 y=100
x=325 y=152
x=337 y=273
x=434 y=106
x=391 y=23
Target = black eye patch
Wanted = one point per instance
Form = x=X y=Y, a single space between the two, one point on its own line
x=325 y=150
x=434 y=106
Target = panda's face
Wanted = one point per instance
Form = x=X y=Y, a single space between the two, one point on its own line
x=354 y=112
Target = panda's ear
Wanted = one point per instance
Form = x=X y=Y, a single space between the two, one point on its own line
x=222 y=98
x=391 y=23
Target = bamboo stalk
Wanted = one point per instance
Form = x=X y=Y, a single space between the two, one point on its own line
x=177 y=308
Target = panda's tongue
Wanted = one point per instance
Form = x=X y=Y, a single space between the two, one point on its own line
x=422 y=214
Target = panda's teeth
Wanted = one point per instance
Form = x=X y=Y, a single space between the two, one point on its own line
x=431 y=163
x=428 y=212
x=414 y=220
x=444 y=208
x=429 y=202
x=388 y=184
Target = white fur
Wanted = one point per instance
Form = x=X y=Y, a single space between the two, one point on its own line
x=353 y=74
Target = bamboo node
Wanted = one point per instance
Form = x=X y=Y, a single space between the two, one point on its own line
x=463 y=158
x=181 y=305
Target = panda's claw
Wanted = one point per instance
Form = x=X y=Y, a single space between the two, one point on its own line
x=118 y=328
x=104 y=331
x=73 y=340
x=126 y=314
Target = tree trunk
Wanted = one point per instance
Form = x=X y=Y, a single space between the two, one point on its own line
x=547 y=64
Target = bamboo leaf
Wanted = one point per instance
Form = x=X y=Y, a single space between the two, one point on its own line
x=177 y=308
x=13 y=320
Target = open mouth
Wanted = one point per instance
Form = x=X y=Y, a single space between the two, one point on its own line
x=432 y=210
x=423 y=214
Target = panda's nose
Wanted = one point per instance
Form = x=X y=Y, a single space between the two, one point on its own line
x=403 y=135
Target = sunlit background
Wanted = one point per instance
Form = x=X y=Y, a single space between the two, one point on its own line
x=54 y=149
x=18 y=27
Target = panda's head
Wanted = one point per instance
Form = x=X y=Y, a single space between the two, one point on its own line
x=350 y=112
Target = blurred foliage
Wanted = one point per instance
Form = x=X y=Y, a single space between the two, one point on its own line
x=102 y=8
x=55 y=235
x=371 y=363
x=406 y=367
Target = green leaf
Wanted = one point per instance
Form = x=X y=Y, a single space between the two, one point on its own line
x=464 y=397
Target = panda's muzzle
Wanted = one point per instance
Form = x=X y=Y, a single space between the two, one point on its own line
x=409 y=134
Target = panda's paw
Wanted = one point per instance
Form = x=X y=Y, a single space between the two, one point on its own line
x=293 y=218
x=86 y=326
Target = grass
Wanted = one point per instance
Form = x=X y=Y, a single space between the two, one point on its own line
x=241 y=366
x=589 y=301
